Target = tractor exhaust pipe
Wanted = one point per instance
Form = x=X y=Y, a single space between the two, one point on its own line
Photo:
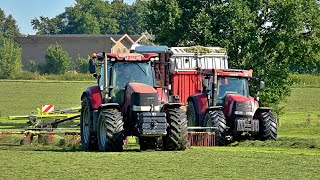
x=105 y=83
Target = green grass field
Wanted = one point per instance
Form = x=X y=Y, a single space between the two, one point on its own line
x=23 y=97
x=195 y=163
x=295 y=155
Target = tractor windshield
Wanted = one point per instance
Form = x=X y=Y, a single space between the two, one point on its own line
x=231 y=85
x=124 y=72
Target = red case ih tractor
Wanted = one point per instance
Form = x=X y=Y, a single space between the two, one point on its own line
x=226 y=106
x=126 y=102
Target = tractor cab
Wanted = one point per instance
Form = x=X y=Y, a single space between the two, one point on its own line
x=121 y=69
x=222 y=82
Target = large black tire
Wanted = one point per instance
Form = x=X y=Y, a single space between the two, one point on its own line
x=110 y=131
x=268 y=126
x=88 y=138
x=217 y=119
x=191 y=114
x=177 y=132
x=152 y=143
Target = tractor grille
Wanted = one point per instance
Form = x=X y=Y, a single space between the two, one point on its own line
x=145 y=99
x=244 y=106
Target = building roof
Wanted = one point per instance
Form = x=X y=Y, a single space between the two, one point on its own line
x=115 y=37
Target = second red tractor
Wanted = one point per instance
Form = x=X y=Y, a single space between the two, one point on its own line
x=225 y=105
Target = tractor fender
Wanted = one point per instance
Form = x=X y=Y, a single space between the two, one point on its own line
x=170 y=105
x=94 y=96
x=110 y=106
x=260 y=110
x=214 y=108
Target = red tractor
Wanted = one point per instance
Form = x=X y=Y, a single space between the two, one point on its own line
x=226 y=106
x=127 y=102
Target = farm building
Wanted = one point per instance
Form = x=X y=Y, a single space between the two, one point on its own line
x=34 y=47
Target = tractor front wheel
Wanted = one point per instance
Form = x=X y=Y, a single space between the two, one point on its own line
x=217 y=120
x=268 y=126
x=177 y=132
x=88 y=138
x=191 y=114
x=110 y=130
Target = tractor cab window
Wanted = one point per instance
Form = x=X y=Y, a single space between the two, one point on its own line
x=101 y=76
x=231 y=85
x=124 y=72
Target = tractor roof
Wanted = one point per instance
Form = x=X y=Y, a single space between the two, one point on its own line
x=228 y=72
x=132 y=56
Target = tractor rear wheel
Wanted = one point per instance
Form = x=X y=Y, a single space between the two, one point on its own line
x=191 y=114
x=217 y=120
x=88 y=138
x=268 y=126
x=177 y=132
x=110 y=130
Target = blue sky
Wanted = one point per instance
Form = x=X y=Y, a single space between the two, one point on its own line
x=24 y=11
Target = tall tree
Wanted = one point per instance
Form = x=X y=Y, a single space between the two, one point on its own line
x=94 y=17
x=10 y=52
x=8 y=26
x=266 y=35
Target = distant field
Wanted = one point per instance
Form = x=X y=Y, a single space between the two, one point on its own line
x=23 y=97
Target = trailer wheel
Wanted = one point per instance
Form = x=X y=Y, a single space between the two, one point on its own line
x=191 y=114
x=217 y=119
x=110 y=130
x=268 y=124
x=177 y=132
x=88 y=138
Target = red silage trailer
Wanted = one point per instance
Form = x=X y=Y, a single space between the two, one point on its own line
x=178 y=68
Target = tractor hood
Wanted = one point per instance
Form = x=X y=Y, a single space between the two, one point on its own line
x=140 y=88
x=239 y=105
x=141 y=97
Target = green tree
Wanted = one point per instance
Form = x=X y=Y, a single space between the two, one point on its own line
x=265 y=35
x=8 y=26
x=95 y=17
x=57 y=61
x=10 y=58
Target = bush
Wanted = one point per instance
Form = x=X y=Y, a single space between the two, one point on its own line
x=10 y=58
x=57 y=59
x=33 y=66
x=82 y=64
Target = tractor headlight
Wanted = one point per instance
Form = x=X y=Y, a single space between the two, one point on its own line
x=113 y=59
x=154 y=59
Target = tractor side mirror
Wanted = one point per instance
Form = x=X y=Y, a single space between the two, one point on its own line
x=92 y=67
x=262 y=85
